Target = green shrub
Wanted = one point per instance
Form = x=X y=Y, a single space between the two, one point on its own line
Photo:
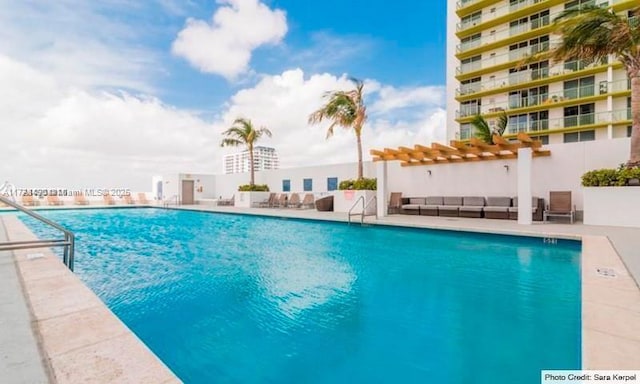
x=254 y=188
x=610 y=177
x=359 y=184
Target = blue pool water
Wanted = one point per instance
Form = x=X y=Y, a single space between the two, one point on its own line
x=241 y=299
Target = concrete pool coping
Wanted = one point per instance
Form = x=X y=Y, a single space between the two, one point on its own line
x=71 y=330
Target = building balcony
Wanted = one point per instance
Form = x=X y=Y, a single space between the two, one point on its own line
x=518 y=103
x=590 y=120
x=513 y=56
x=505 y=33
x=496 y=13
x=527 y=77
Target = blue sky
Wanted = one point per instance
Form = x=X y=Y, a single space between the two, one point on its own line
x=150 y=85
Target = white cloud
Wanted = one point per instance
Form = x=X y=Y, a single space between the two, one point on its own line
x=283 y=103
x=69 y=137
x=224 y=46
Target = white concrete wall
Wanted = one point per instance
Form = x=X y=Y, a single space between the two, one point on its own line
x=227 y=185
x=560 y=171
x=452 y=63
x=618 y=206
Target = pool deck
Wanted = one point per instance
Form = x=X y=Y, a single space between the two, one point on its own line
x=80 y=340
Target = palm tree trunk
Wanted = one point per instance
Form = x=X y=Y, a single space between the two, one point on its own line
x=251 y=164
x=634 y=156
x=359 y=138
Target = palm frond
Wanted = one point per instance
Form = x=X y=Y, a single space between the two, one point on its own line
x=482 y=129
x=503 y=121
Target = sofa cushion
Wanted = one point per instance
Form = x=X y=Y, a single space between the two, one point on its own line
x=435 y=200
x=496 y=209
x=417 y=200
x=500 y=201
x=422 y=206
x=466 y=208
x=448 y=207
x=473 y=201
x=515 y=209
x=453 y=200
x=411 y=206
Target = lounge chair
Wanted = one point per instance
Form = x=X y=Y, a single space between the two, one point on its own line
x=268 y=202
x=294 y=201
x=80 y=200
x=395 y=203
x=282 y=201
x=451 y=206
x=430 y=208
x=227 y=202
x=537 y=207
x=142 y=198
x=308 y=201
x=325 y=204
x=108 y=200
x=54 y=200
x=29 y=201
x=129 y=200
x=472 y=206
x=497 y=207
x=560 y=205
x=413 y=206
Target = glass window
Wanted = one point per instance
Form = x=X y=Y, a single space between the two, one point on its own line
x=579 y=115
x=465 y=131
x=544 y=139
x=332 y=183
x=574 y=137
x=307 y=185
x=286 y=185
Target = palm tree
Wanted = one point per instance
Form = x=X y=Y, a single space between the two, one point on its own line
x=484 y=132
x=242 y=132
x=594 y=33
x=347 y=110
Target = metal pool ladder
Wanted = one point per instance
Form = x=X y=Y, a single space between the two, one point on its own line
x=68 y=242
x=364 y=209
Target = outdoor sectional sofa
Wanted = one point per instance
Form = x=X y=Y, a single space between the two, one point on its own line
x=499 y=207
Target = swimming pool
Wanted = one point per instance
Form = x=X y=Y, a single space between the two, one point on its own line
x=242 y=299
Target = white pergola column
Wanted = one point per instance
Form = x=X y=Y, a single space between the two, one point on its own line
x=382 y=192
x=525 y=160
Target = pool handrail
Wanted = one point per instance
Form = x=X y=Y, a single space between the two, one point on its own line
x=68 y=242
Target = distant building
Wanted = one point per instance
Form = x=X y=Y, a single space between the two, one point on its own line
x=263 y=158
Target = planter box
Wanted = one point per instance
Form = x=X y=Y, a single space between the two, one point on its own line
x=617 y=206
x=344 y=200
x=250 y=199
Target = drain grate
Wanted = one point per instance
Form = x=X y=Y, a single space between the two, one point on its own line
x=606 y=272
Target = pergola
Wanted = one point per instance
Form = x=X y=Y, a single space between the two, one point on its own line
x=459 y=151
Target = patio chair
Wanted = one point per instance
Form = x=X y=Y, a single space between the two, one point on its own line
x=308 y=201
x=129 y=200
x=29 y=201
x=268 y=202
x=142 y=198
x=395 y=203
x=294 y=201
x=227 y=202
x=560 y=205
x=54 y=200
x=282 y=201
x=325 y=204
x=108 y=199
x=80 y=200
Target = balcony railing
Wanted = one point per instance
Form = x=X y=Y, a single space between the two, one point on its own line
x=494 y=13
x=465 y=3
x=525 y=77
x=547 y=99
x=516 y=54
x=505 y=33
x=607 y=117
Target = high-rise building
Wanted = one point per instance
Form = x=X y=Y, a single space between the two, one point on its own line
x=489 y=71
x=263 y=158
